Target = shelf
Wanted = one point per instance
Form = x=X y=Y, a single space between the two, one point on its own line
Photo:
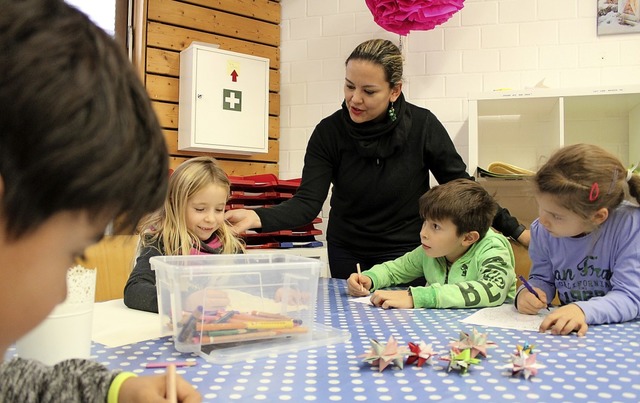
x=523 y=128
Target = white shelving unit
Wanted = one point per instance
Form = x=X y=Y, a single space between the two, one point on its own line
x=524 y=128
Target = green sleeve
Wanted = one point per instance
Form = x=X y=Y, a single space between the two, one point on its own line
x=402 y=270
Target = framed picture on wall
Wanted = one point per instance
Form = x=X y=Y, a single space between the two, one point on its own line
x=618 y=17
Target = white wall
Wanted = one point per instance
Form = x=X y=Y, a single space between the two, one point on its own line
x=489 y=44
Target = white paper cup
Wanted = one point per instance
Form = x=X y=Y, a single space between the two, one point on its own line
x=66 y=332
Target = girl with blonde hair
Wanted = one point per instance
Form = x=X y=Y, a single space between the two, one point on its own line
x=191 y=222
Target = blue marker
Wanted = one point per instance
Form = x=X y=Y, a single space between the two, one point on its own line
x=531 y=290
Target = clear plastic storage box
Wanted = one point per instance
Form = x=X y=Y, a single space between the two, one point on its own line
x=229 y=308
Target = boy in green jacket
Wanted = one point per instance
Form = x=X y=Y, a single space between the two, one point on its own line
x=466 y=264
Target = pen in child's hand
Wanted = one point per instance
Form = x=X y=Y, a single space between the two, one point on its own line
x=172 y=393
x=531 y=290
x=359 y=274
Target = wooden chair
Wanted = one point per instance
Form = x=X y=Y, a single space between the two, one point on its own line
x=113 y=258
x=523 y=264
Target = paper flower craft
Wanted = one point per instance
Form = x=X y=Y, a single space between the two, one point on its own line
x=460 y=360
x=421 y=353
x=524 y=363
x=476 y=342
x=402 y=16
x=526 y=348
x=384 y=354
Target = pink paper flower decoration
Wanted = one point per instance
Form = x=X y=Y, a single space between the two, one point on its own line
x=402 y=16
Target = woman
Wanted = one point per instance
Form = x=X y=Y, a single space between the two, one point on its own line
x=377 y=152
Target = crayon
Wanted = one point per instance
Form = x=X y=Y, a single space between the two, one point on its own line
x=213 y=333
x=275 y=324
x=297 y=329
x=269 y=315
x=225 y=317
x=189 y=327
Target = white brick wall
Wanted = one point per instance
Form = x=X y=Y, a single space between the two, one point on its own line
x=489 y=44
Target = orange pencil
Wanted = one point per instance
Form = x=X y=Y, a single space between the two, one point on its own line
x=297 y=329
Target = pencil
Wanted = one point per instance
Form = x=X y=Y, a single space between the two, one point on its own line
x=174 y=363
x=359 y=274
x=172 y=394
x=530 y=289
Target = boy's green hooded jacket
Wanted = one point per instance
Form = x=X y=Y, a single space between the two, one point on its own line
x=484 y=276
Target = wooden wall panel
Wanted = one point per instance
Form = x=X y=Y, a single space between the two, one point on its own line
x=236 y=168
x=176 y=38
x=206 y=19
x=244 y=26
x=171 y=137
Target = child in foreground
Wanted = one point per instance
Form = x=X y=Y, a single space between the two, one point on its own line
x=585 y=243
x=191 y=222
x=80 y=146
x=465 y=263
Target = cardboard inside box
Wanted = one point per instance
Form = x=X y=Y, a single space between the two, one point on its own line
x=516 y=195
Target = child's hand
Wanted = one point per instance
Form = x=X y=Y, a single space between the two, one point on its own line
x=154 y=389
x=565 y=320
x=209 y=299
x=392 y=299
x=529 y=304
x=358 y=285
x=291 y=296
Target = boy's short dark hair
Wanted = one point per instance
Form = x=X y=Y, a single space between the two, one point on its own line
x=77 y=130
x=466 y=203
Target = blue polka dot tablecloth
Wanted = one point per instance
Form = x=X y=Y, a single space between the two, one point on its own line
x=604 y=366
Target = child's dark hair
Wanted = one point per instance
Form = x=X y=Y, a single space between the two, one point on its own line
x=585 y=178
x=465 y=202
x=77 y=130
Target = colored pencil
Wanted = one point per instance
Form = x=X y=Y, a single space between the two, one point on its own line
x=172 y=393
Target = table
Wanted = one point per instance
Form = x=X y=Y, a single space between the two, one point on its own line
x=603 y=366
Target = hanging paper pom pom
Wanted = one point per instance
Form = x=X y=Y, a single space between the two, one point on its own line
x=402 y=16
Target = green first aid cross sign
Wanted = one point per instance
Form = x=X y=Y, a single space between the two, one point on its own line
x=232 y=100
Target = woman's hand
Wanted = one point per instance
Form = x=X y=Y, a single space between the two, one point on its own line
x=392 y=299
x=358 y=285
x=209 y=299
x=241 y=220
x=564 y=320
